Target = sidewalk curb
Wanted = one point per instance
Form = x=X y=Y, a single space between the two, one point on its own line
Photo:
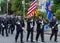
x=50 y=34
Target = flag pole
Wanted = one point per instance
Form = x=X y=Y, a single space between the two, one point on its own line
x=23 y=3
x=24 y=9
x=7 y=6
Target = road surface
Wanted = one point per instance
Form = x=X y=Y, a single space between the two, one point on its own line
x=11 y=39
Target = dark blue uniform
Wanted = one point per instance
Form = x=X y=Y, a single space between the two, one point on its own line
x=0 y=24
x=40 y=29
x=19 y=24
x=54 y=26
x=4 y=26
x=30 y=28
x=12 y=26
x=9 y=24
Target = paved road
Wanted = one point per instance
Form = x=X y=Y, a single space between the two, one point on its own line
x=11 y=38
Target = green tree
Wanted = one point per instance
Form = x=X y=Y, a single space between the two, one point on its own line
x=56 y=1
x=16 y=6
x=27 y=5
x=56 y=5
x=58 y=14
x=3 y=5
x=56 y=8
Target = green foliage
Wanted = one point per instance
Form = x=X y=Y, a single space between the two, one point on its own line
x=56 y=5
x=58 y=14
x=56 y=1
x=28 y=1
x=56 y=8
x=27 y=5
x=3 y=3
x=19 y=13
x=16 y=6
x=40 y=13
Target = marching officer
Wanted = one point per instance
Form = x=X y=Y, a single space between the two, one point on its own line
x=40 y=28
x=4 y=26
x=0 y=24
x=12 y=26
x=54 y=26
x=9 y=23
x=30 y=28
x=20 y=24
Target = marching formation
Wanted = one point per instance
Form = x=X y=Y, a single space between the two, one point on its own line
x=8 y=23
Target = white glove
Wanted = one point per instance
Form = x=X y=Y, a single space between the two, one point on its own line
x=52 y=27
x=56 y=22
x=42 y=23
x=2 y=25
x=18 y=22
x=23 y=28
x=31 y=20
x=31 y=25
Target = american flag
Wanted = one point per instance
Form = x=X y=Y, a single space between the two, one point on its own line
x=32 y=8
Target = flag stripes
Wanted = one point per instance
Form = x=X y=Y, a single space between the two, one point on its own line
x=32 y=8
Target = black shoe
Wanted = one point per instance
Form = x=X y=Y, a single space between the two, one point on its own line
x=32 y=41
x=50 y=39
x=36 y=40
x=2 y=35
x=6 y=35
x=15 y=40
x=27 y=40
x=0 y=32
x=55 y=41
x=11 y=33
x=43 y=41
x=22 y=42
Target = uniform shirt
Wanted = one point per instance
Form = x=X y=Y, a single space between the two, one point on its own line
x=0 y=21
x=40 y=24
x=30 y=24
x=53 y=24
x=20 y=24
x=4 y=22
x=12 y=21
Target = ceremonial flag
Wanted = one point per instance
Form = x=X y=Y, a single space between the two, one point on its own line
x=48 y=10
x=36 y=12
x=32 y=8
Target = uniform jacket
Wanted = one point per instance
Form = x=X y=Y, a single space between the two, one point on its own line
x=40 y=24
x=20 y=24
x=30 y=24
x=53 y=24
